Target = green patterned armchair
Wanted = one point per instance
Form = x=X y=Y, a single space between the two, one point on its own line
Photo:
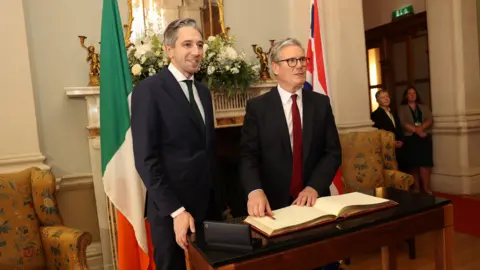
x=368 y=161
x=32 y=235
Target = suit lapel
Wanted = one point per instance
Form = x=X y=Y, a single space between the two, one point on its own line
x=277 y=116
x=175 y=91
x=307 y=125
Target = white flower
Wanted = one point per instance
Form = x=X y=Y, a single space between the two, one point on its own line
x=143 y=59
x=142 y=49
x=231 y=53
x=149 y=33
x=234 y=70
x=137 y=69
x=210 y=70
x=227 y=67
x=211 y=38
x=228 y=53
x=205 y=48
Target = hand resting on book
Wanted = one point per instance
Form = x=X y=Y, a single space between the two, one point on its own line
x=325 y=209
x=308 y=197
x=258 y=205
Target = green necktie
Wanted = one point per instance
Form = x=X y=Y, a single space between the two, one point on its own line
x=193 y=104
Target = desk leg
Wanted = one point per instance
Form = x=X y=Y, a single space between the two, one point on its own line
x=389 y=258
x=444 y=249
x=187 y=260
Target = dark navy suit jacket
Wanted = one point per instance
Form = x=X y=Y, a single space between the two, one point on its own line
x=266 y=154
x=173 y=151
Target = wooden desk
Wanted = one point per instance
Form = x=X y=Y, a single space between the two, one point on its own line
x=416 y=214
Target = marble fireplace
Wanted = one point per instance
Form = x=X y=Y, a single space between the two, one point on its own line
x=228 y=113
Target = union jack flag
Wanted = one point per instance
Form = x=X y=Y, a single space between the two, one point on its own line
x=317 y=75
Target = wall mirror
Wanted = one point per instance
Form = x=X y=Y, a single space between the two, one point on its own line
x=154 y=15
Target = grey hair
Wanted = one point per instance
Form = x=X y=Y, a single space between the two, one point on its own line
x=279 y=45
x=170 y=35
x=379 y=92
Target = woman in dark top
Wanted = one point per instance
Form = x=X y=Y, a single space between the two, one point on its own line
x=416 y=120
x=384 y=118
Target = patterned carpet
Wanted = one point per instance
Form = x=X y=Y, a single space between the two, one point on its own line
x=465 y=212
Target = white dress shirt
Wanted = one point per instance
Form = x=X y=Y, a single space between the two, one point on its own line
x=390 y=115
x=180 y=78
x=286 y=98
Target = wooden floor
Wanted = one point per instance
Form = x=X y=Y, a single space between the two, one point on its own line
x=466 y=255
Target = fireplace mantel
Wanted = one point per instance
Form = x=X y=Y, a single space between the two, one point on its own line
x=92 y=99
x=91 y=94
x=228 y=112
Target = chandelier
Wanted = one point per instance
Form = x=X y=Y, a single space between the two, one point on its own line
x=147 y=19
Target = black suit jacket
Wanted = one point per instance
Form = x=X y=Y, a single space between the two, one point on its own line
x=382 y=121
x=173 y=151
x=266 y=154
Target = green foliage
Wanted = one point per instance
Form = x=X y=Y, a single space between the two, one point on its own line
x=223 y=69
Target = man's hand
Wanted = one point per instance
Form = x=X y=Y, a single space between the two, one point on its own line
x=307 y=197
x=181 y=224
x=258 y=205
x=398 y=144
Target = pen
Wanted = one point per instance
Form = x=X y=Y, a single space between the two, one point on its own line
x=270 y=217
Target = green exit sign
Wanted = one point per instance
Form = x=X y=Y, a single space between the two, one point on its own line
x=402 y=12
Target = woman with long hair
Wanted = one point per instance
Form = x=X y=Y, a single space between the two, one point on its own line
x=416 y=120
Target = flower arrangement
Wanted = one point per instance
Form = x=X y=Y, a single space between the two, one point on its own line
x=225 y=70
x=222 y=69
x=146 y=58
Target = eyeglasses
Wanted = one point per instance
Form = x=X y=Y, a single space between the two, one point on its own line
x=292 y=62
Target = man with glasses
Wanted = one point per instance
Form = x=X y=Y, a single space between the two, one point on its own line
x=290 y=149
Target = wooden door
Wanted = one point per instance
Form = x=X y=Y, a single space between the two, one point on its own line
x=401 y=59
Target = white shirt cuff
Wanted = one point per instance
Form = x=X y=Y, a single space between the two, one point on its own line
x=178 y=212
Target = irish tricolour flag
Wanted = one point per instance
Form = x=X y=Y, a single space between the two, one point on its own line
x=122 y=183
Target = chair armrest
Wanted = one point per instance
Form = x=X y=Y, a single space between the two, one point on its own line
x=64 y=247
x=397 y=179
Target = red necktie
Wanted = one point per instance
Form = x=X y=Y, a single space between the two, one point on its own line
x=297 y=180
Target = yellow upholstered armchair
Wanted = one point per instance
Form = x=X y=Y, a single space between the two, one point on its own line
x=368 y=161
x=32 y=235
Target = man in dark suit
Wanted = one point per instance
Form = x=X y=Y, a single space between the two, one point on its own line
x=290 y=146
x=173 y=139
x=290 y=149
x=384 y=118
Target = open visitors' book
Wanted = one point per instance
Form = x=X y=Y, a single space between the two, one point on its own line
x=326 y=209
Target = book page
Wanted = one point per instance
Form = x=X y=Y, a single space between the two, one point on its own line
x=335 y=204
x=290 y=216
